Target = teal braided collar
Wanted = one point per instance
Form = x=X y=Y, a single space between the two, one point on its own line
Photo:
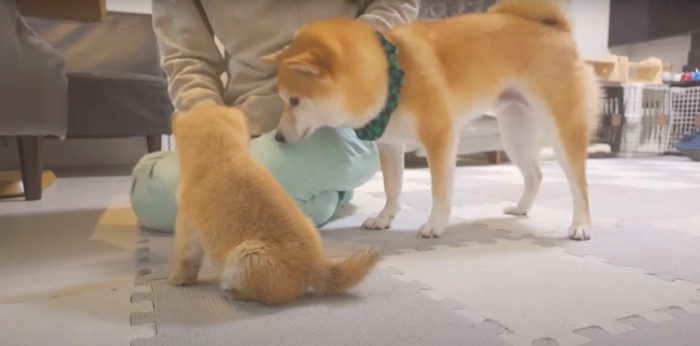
x=376 y=127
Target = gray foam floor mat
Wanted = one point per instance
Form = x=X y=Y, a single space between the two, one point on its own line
x=647 y=223
x=642 y=247
x=681 y=331
x=155 y=257
x=156 y=250
x=402 y=234
x=381 y=311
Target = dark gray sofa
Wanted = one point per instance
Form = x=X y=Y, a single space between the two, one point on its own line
x=115 y=86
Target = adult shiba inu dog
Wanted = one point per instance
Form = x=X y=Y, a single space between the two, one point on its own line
x=418 y=83
x=232 y=209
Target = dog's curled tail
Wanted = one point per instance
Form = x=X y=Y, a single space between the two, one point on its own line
x=333 y=277
x=547 y=12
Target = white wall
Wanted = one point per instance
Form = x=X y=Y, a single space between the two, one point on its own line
x=591 y=25
x=132 y=6
x=673 y=50
x=590 y=19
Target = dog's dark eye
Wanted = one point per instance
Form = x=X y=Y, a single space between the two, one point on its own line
x=294 y=101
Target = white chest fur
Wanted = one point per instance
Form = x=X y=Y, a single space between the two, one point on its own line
x=401 y=129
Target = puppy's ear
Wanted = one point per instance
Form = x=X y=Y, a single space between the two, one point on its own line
x=274 y=58
x=305 y=64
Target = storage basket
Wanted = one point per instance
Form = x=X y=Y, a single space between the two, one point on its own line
x=647 y=118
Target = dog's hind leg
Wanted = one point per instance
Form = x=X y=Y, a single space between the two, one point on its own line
x=574 y=106
x=521 y=140
x=391 y=157
x=569 y=136
x=568 y=105
x=570 y=147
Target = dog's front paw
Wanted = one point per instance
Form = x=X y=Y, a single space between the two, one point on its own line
x=579 y=232
x=377 y=223
x=430 y=230
x=515 y=211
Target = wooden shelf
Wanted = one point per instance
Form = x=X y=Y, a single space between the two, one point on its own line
x=76 y=10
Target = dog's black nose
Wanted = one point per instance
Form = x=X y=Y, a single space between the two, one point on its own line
x=279 y=137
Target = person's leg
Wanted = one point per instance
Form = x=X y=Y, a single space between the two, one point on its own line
x=321 y=207
x=320 y=173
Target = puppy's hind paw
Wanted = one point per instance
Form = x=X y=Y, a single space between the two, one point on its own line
x=178 y=279
x=376 y=223
x=579 y=232
x=235 y=294
x=515 y=211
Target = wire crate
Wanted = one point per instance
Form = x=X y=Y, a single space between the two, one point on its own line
x=611 y=124
x=647 y=118
x=685 y=115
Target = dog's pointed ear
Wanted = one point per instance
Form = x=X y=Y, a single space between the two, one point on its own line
x=274 y=58
x=308 y=70
x=306 y=64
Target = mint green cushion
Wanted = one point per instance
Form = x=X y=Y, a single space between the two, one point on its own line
x=153 y=184
x=319 y=173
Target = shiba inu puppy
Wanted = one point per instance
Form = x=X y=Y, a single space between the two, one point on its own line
x=419 y=83
x=231 y=209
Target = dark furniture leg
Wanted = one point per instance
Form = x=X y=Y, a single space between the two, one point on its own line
x=494 y=157
x=31 y=161
x=153 y=142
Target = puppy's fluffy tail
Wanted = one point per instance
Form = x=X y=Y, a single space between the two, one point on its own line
x=547 y=12
x=339 y=276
